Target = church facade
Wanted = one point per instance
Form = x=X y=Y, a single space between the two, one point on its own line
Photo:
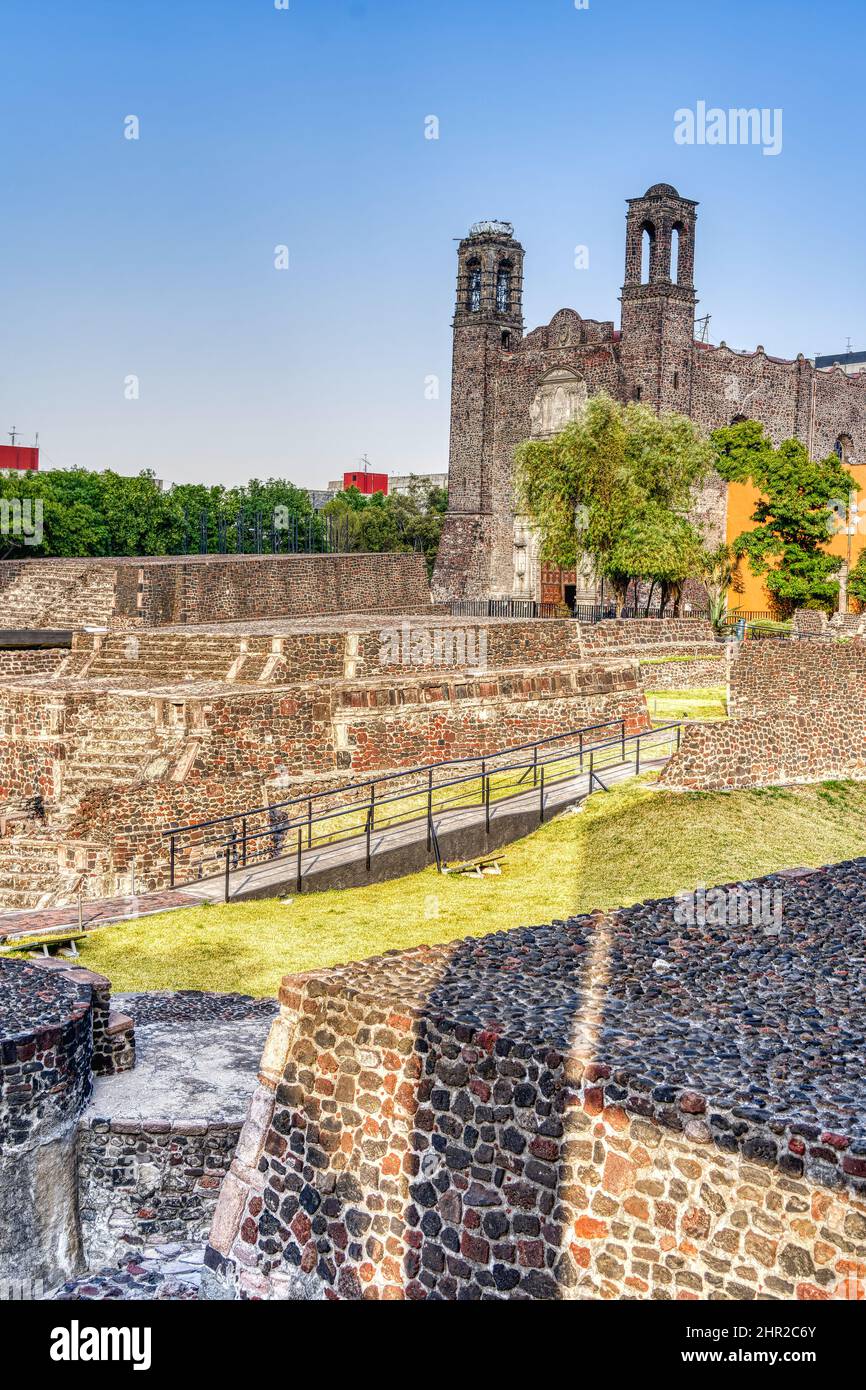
x=509 y=386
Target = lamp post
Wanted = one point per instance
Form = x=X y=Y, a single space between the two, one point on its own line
x=852 y=521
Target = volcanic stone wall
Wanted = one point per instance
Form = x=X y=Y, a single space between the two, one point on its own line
x=809 y=622
x=771 y=678
x=151 y=592
x=55 y=1032
x=616 y=1106
x=462 y=716
x=656 y=673
x=146 y=1181
x=637 y=634
x=798 y=715
x=31 y=662
x=790 y=748
x=220 y=588
x=674 y=653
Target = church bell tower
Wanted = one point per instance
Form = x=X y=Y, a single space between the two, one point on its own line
x=658 y=299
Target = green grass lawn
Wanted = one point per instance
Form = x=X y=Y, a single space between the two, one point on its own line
x=632 y=843
x=711 y=702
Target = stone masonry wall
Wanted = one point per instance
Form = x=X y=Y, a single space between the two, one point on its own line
x=685 y=674
x=549 y=1113
x=771 y=678
x=150 y=592
x=634 y=634
x=461 y=716
x=789 y=748
x=45 y=1083
x=146 y=1181
x=31 y=662
x=798 y=714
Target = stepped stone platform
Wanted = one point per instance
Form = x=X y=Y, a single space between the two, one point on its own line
x=621 y=1105
x=148 y=591
x=140 y=730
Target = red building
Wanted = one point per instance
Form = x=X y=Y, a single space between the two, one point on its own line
x=368 y=483
x=14 y=456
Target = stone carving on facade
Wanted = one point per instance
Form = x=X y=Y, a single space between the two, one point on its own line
x=560 y=398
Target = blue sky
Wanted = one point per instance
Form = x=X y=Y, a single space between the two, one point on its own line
x=305 y=127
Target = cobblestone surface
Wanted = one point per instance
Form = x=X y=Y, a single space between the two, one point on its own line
x=194 y=1006
x=770 y=1018
x=31 y=998
x=665 y=1101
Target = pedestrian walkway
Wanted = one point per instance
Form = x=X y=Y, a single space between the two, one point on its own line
x=327 y=865
x=341 y=864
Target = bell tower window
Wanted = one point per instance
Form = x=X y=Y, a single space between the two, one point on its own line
x=647 y=259
x=503 y=288
x=473 y=295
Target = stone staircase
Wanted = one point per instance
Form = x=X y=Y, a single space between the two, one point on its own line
x=164 y=658
x=31 y=875
x=120 y=745
x=847 y=625
x=55 y=594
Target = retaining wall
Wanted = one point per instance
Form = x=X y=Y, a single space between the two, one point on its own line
x=150 y=592
x=142 y=1182
x=591 y=1109
x=798 y=714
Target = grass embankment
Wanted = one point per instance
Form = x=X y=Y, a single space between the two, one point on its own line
x=632 y=843
x=710 y=702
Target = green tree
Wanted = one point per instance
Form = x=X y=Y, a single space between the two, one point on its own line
x=799 y=499
x=616 y=486
x=857 y=580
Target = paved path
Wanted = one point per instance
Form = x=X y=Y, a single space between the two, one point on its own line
x=280 y=875
x=97 y=913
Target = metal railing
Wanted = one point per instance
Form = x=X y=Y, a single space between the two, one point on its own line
x=584 y=612
x=303 y=825
x=751 y=615
x=502 y=608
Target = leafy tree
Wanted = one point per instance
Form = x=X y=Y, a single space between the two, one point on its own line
x=616 y=486
x=396 y=522
x=857 y=580
x=87 y=513
x=799 y=498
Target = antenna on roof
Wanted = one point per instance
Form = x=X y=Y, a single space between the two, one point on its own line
x=704 y=326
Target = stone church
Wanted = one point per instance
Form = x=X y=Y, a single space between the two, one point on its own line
x=509 y=386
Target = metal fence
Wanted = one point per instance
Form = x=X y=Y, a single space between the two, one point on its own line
x=296 y=828
x=584 y=612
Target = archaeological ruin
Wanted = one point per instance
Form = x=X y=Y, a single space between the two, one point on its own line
x=624 y=1104
x=192 y=689
x=615 y=1106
